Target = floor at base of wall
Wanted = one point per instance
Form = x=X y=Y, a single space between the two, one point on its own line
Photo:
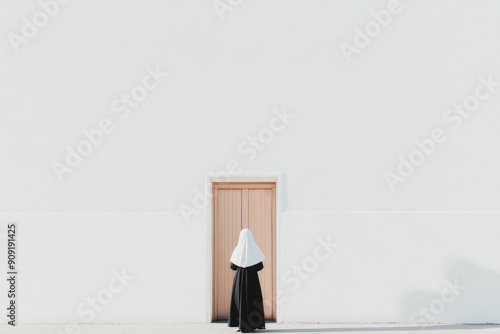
x=270 y=328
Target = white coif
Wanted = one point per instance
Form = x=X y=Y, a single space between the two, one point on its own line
x=246 y=253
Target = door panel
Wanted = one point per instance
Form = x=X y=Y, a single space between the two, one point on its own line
x=227 y=229
x=260 y=222
x=237 y=206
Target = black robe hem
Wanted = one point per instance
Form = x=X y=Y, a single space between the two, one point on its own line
x=247 y=307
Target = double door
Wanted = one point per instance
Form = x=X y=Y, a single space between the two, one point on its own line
x=237 y=206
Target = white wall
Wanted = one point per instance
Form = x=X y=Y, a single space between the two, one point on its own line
x=389 y=265
x=120 y=206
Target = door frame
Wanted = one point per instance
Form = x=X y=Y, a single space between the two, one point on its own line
x=242 y=177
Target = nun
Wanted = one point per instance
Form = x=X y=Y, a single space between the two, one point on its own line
x=247 y=310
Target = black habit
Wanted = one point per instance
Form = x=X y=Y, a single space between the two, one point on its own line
x=247 y=309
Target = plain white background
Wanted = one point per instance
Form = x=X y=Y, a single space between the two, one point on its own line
x=120 y=206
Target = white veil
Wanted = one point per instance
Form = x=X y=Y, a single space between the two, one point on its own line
x=246 y=253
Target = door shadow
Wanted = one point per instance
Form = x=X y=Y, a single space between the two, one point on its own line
x=477 y=301
x=405 y=329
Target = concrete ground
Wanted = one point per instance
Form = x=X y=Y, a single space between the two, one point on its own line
x=271 y=328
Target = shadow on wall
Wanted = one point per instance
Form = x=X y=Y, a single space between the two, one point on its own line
x=380 y=329
x=470 y=293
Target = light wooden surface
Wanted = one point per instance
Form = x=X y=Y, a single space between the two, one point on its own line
x=238 y=206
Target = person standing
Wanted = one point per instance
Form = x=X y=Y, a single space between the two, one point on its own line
x=246 y=309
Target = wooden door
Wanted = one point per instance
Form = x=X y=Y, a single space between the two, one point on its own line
x=237 y=206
